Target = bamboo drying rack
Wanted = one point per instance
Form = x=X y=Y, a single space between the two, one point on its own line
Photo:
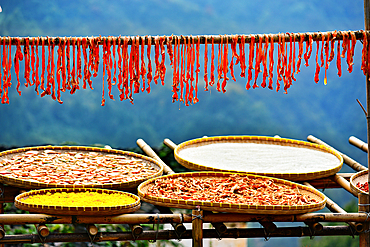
x=353 y=223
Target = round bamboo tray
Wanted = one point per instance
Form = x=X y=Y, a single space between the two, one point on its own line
x=66 y=210
x=269 y=166
x=359 y=177
x=233 y=208
x=124 y=185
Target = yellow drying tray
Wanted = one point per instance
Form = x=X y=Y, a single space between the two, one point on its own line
x=66 y=210
x=262 y=140
x=128 y=185
x=233 y=208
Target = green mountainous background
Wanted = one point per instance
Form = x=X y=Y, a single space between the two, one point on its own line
x=329 y=112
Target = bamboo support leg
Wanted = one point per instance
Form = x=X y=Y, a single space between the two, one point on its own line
x=178 y=227
x=136 y=230
x=92 y=229
x=197 y=228
x=350 y=162
x=42 y=230
x=363 y=206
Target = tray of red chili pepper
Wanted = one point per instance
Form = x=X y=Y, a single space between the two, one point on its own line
x=76 y=167
x=231 y=192
x=359 y=182
x=268 y=156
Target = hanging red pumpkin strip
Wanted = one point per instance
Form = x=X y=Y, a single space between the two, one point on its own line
x=26 y=52
x=187 y=73
x=242 y=57
x=364 y=66
x=326 y=58
x=271 y=65
x=257 y=68
x=339 y=65
x=37 y=40
x=1 y=81
x=64 y=73
x=59 y=69
x=73 y=74
x=250 y=61
x=234 y=41
x=18 y=57
x=197 y=70
x=42 y=82
x=33 y=60
x=289 y=72
x=143 y=69
x=156 y=59
x=114 y=60
x=192 y=61
x=212 y=82
x=137 y=64
x=68 y=83
x=294 y=64
x=52 y=69
x=300 y=52
x=125 y=69
x=344 y=44
x=264 y=61
x=149 y=75
x=9 y=83
x=79 y=63
x=162 y=67
x=169 y=41
x=174 y=66
x=307 y=55
x=119 y=64
x=332 y=48
x=219 y=64
x=316 y=78
x=278 y=66
x=225 y=63
x=351 y=51
x=205 y=63
x=4 y=79
x=105 y=45
x=322 y=50
x=181 y=75
x=87 y=73
x=96 y=57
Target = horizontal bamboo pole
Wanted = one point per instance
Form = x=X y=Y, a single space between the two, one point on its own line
x=358 y=143
x=327 y=183
x=170 y=234
x=335 y=208
x=208 y=217
x=355 y=165
x=182 y=38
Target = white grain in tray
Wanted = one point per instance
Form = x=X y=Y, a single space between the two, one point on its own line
x=260 y=158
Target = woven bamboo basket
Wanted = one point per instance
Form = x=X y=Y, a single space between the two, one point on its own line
x=233 y=208
x=265 y=143
x=359 y=177
x=33 y=184
x=67 y=210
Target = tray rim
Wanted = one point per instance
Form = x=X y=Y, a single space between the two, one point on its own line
x=233 y=208
x=38 y=185
x=274 y=141
x=66 y=210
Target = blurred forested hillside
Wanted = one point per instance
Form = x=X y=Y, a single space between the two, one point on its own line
x=329 y=112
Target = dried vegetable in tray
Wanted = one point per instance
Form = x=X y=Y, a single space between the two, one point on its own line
x=73 y=167
x=78 y=201
x=231 y=192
